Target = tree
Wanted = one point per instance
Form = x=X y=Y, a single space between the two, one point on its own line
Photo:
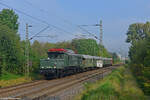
x=10 y=42
x=115 y=58
x=89 y=47
x=138 y=31
x=9 y=49
x=85 y=46
x=104 y=53
x=10 y=19
x=138 y=36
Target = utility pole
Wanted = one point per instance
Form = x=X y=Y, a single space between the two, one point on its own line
x=27 y=51
x=101 y=32
x=27 y=45
x=27 y=71
x=101 y=36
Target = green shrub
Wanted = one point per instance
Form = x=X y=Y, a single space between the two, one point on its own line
x=8 y=76
x=119 y=85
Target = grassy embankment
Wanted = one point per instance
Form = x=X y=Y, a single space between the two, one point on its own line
x=119 y=85
x=8 y=79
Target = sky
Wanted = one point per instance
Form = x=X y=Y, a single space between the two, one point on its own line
x=64 y=16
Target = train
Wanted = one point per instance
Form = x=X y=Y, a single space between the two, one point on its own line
x=63 y=62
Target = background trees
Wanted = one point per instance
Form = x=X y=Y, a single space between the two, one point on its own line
x=116 y=58
x=10 y=42
x=81 y=46
x=89 y=47
x=138 y=36
x=86 y=46
x=10 y=19
x=12 y=49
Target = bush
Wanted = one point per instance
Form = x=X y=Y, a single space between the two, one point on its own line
x=119 y=85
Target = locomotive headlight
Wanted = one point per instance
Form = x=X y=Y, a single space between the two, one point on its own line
x=54 y=65
x=42 y=67
x=47 y=66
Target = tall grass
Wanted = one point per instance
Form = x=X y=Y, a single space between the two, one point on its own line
x=9 y=79
x=9 y=76
x=11 y=82
x=119 y=85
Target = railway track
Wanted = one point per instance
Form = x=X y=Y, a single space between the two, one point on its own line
x=20 y=86
x=41 y=88
x=53 y=91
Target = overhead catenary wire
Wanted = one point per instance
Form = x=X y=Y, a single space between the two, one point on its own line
x=64 y=20
x=88 y=32
x=29 y=3
x=48 y=12
x=37 y=19
x=39 y=32
x=43 y=10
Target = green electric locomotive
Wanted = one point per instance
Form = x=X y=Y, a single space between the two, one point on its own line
x=63 y=62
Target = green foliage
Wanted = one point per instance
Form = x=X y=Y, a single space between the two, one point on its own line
x=137 y=31
x=139 y=53
x=89 y=47
x=119 y=85
x=116 y=59
x=86 y=46
x=8 y=76
x=82 y=46
x=12 y=49
x=9 y=18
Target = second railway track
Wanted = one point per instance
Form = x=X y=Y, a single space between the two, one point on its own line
x=41 y=88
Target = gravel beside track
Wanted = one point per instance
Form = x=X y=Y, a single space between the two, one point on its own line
x=54 y=89
x=71 y=92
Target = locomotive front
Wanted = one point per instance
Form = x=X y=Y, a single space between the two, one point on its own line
x=54 y=62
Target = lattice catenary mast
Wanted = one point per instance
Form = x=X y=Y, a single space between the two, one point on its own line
x=101 y=37
x=101 y=33
x=27 y=71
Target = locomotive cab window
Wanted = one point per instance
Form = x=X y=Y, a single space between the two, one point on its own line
x=55 y=55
